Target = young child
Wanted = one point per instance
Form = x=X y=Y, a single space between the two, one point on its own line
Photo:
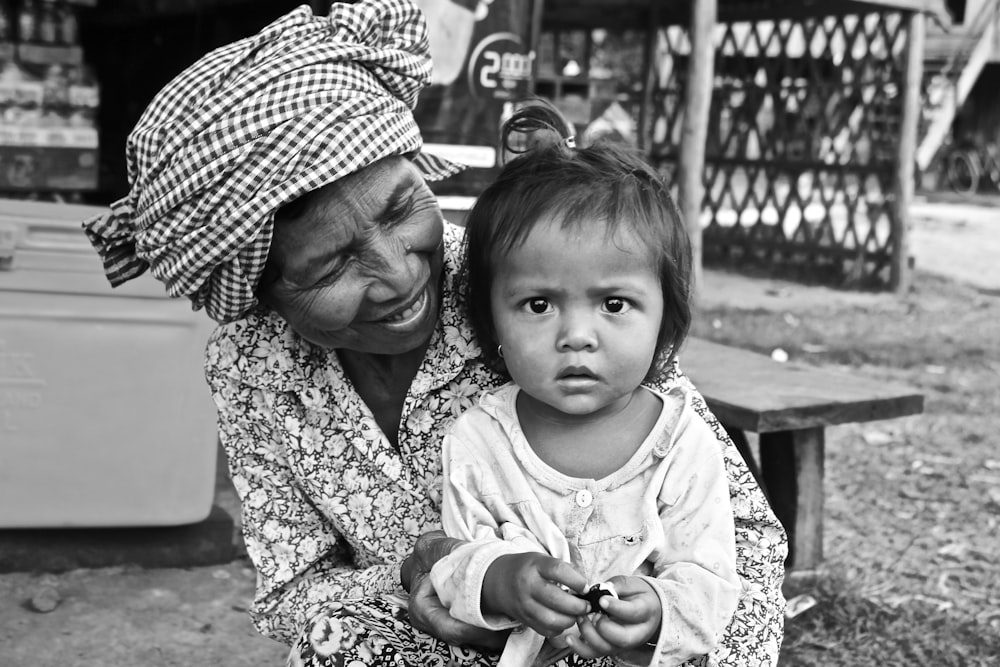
x=577 y=277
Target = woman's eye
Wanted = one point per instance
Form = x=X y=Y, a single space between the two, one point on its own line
x=616 y=305
x=333 y=271
x=538 y=306
x=398 y=211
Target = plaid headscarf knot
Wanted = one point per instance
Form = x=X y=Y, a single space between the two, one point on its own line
x=252 y=126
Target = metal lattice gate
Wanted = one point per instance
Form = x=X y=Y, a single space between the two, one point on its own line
x=802 y=146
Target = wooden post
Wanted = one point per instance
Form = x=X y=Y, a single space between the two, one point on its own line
x=535 y=35
x=900 y=274
x=644 y=134
x=694 y=129
x=791 y=464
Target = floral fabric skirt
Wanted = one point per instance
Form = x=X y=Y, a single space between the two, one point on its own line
x=378 y=633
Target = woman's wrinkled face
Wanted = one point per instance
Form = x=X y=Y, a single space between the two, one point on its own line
x=359 y=266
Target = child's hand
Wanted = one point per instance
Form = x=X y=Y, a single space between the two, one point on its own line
x=526 y=587
x=626 y=623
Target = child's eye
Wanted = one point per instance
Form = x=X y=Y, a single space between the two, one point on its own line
x=616 y=304
x=538 y=306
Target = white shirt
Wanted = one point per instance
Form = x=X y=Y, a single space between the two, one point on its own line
x=665 y=515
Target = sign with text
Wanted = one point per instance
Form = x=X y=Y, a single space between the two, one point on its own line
x=482 y=61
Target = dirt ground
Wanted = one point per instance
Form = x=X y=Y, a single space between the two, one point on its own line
x=907 y=521
x=118 y=617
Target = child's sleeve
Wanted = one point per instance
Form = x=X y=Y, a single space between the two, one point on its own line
x=468 y=514
x=694 y=570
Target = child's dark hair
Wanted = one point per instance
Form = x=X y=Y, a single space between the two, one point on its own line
x=550 y=177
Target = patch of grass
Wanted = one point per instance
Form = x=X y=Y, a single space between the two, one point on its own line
x=847 y=630
x=912 y=572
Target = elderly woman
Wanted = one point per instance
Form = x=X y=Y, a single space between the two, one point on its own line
x=278 y=183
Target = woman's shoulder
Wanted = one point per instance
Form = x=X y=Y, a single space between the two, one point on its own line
x=453 y=241
x=453 y=233
x=259 y=350
x=495 y=404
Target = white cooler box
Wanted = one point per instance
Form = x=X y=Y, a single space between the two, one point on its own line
x=105 y=416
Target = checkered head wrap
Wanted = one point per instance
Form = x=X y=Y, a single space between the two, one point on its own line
x=252 y=126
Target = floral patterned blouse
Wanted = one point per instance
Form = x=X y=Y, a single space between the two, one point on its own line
x=331 y=508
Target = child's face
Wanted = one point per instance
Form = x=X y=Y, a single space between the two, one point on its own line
x=578 y=316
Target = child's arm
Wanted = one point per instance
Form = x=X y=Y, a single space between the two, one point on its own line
x=502 y=576
x=681 y=611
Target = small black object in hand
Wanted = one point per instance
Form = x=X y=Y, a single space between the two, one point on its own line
x=596 y=592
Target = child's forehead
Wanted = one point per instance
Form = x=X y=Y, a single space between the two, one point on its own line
x=552 y=242
x=587 y=226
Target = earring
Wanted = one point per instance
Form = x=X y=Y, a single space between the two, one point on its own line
x=500 y=351
x=408 y=246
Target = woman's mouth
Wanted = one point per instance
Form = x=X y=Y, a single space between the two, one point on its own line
x=408 y=315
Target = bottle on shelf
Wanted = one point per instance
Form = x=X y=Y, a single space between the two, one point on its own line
x=68 y=24
x=48 y=23
x=55 y=97
x=6 y=24
x=21 y=96
x=27 y=22
x=84 y=96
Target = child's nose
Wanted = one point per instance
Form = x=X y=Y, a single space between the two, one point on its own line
x=577 y=333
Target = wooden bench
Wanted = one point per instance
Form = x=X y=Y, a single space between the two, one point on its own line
x=789 y=406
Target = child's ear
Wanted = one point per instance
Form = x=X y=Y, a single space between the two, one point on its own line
x=496 y=362
x=500 y=367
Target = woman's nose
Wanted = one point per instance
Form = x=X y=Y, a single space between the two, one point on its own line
x=395 y=268
x=576 y=333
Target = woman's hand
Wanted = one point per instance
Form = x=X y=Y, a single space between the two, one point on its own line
x=536 y=590
x=429 y=615
x=428 y=550
x=426 y=611
x=629 y=622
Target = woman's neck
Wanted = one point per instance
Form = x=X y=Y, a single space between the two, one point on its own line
x=383 y=381
x=387 y=367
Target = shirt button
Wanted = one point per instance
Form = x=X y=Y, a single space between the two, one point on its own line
x=584 y=498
